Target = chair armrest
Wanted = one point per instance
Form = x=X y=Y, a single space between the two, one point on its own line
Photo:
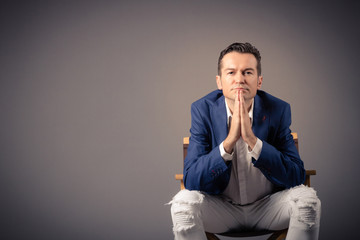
x=310 y=172
x=180 y=178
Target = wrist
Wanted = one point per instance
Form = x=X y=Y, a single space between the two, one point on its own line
x=228 y=145
x=251 y=142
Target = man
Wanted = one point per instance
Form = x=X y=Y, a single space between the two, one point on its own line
x=242 y=170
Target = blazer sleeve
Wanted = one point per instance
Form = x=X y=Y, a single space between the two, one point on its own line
x=280 y=161
x=204 y=168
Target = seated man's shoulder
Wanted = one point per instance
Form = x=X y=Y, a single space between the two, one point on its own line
x=209 y=99
x=271 y=100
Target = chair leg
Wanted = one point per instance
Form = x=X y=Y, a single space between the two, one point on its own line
x=211 y=236
x=278 y=235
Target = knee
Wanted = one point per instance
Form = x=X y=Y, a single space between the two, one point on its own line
x=305 y=205
x=185 y=210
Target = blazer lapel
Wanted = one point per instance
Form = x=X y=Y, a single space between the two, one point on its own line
x=219 y=119
x=261 y=119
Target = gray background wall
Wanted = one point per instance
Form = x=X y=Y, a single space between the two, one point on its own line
x=95 y=99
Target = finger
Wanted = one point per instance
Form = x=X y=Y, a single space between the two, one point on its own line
x=237 y=97
x=237 y=103
x=242 y=103
x=243 y=111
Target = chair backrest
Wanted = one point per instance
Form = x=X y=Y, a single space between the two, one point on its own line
x=296 y=140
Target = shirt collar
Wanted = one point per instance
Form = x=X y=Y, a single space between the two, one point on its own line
x=251 y=112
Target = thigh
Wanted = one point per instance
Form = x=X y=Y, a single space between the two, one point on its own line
x=271 y=213
x=275 y=211
x=219 y=215
x=216 y=214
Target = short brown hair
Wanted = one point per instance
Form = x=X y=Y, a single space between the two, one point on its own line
x=241 y=48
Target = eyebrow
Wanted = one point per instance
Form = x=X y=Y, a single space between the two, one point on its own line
x=247 y=69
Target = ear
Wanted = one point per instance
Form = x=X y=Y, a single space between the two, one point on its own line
x=259 y=83
x=218 y=82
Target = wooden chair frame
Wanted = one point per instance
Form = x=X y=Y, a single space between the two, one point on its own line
x=276 y=235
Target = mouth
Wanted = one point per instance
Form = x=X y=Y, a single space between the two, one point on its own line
x=240 y=89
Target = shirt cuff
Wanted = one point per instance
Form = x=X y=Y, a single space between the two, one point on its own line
x=255 y=153
x=226 y=156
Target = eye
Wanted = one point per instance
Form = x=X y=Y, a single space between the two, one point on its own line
x=230 y=73
x=248 y=73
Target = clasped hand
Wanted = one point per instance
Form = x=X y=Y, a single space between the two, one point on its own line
x=240 y=125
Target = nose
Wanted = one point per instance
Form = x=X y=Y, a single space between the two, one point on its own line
x=239 y=78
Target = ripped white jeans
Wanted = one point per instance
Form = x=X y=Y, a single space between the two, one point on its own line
x=297 y=209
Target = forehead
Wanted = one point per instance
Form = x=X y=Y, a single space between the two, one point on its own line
x=238 y=60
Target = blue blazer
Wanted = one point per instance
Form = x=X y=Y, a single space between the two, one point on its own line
x=204 y=168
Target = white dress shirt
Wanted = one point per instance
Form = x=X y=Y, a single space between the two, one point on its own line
x=247 y=184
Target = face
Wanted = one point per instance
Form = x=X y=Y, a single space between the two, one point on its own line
x=238 y=72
